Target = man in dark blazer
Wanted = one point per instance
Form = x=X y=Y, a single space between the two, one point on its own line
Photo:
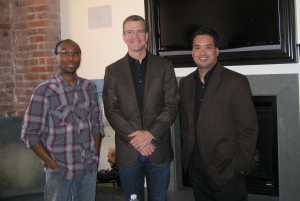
x=141 y=99
x=218 y=124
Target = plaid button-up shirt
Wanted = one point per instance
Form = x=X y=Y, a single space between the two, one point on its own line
x=65 y=118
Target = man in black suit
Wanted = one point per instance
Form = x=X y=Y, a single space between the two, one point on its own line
x=218 y=124
x=141 y=98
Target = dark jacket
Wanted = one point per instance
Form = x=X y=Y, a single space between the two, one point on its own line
x=160 y=107
x=227 y=124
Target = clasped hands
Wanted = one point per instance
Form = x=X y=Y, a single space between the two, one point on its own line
x=141 y=141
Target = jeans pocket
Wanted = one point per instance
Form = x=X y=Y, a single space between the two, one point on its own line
x=55 y=171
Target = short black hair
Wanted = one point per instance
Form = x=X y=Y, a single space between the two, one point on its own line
x=60 y=42
x=206 y=31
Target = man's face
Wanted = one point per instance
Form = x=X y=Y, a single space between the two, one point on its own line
x=135 y=36
x=204 y=52
x=111 y=159
x=69 y=57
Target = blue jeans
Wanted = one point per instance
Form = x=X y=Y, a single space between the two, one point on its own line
x=157 y=179
x=58 y=188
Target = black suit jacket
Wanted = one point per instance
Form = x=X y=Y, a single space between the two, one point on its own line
x=160 y=107
x=227 y=124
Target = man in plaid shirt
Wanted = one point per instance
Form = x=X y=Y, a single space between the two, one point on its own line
x=63 y=127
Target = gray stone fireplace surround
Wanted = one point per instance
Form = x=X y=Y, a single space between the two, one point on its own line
x=286 y=88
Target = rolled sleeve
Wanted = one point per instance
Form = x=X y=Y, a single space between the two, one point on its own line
x=30 y=140
x=34 y=119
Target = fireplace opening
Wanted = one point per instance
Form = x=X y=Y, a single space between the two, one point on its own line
x=263 y=179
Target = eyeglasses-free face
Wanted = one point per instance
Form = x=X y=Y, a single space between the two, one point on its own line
x=135 y=36
x=132 y=33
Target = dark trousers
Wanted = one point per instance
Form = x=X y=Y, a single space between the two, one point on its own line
x=205 y=189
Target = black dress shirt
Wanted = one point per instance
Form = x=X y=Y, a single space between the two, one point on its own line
x=200 y=89
x=138 y=71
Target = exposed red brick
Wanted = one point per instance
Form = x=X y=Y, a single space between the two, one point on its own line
x=39 y=38
x=44 y=76
x=30 y=17
x=32 y=76
x=29 y=30
x=37 y=69
x=39 y=8
x=22 y=55
x=51 y=61
x=45 y=53
x=20 y=26
x=37 y=23
x=6 y=70
x=5 y=26
x=25 y=3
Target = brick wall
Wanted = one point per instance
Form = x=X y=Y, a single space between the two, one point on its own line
x=6 y=70
x=29 y=30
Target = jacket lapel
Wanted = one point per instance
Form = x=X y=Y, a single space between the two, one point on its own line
x=150 y=75
x=213 y=85
x=190 y=95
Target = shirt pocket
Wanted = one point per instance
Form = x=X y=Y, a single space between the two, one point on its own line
x=61 y=115
x=83 y=110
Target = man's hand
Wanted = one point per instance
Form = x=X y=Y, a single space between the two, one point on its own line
x=44 y=155
x=147 y=150
x=141 y=141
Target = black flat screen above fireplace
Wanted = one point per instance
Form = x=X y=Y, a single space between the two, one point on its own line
x=251 y=31
x=244 y=24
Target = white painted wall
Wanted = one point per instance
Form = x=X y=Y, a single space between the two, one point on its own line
x=100 y=46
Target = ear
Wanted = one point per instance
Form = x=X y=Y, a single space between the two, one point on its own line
x=147 y=36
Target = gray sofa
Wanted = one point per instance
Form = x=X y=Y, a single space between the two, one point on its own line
x=21 y=173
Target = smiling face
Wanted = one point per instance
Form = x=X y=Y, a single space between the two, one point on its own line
x=135 y=36
x=69 y=57
x=204 y=52
x=111 y=158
